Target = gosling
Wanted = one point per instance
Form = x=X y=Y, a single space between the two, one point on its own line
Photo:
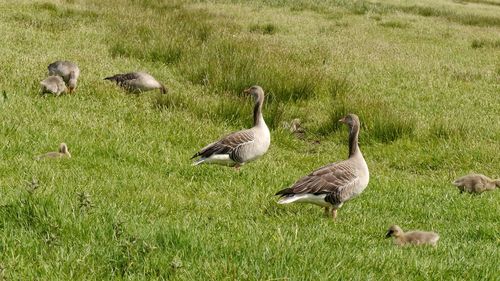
x=412 y=237
x=63 y=152
x=476 y=183
x=54 y=85
x=67 y=70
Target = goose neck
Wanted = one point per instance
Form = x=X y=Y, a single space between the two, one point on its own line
x=258 y=119
x=353 y=140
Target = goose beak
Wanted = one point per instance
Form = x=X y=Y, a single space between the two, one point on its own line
x=246 y=91
x=388 y=234
x=342 y=120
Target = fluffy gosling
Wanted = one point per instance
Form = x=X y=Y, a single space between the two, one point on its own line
x=476 y=183
x=63 y=152
x=67 y=70
x=412 y=237
x=54 y=85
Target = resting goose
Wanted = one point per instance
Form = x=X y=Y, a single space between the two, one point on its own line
x=137 y=82
x=69 y=72
x=54 y=85
x=412 y=237
x=335 y=183
x=63 y=152
x=240 y=147
x=476 y=183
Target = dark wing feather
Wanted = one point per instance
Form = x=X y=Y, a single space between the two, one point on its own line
x=227 y=145
x=334 y=179
x=121 y=78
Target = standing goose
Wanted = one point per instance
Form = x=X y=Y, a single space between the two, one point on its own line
x=335 y=183
x=476 y=183
x=54 y=85
x=69 y=72
x=63 y=152
x=243 y=146
x=137 y=82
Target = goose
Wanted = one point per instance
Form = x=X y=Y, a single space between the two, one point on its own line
x=238 y=148
x=137 y=82
x=476 y=183
x=63 y=152
x=335 y=183
x=69 y=72
x=412 y=237
x=54 y=85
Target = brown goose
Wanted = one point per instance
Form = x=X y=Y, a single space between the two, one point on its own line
x=137 y=82
x=412 y=237
x=336 y=183
x=240 y=147
x=54 y=85
x=476 y=183
x=63 y=152
x=69 y=72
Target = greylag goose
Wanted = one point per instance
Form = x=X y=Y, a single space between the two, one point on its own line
x=69 y=72
x=476 y=183
x=240 y=147
x=63 y=152
x=335 y=183
x=412 y=237
x=137 y=82
x=54 y=85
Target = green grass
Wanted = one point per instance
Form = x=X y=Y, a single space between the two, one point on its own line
x=423 y=76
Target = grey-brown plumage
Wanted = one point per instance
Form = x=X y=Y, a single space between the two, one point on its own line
x=68 y=71
x=62 y=152
x=137 y=82
x=243 y=146
x=336 y=183
x=413 y=237
x=476 y=183
x=54 y=85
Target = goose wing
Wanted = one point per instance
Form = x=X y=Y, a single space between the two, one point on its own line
x=338 y=180
x=125 y=78
x=230 y=144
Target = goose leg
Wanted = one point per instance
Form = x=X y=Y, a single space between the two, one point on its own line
x=327 y=211
x=237 y=167
x=334 y=214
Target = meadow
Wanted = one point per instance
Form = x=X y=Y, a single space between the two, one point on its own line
x=423 y=76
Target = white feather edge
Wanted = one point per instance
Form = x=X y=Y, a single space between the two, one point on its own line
x=305 y=198
x=221 y=159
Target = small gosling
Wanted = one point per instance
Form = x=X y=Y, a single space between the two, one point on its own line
x=476 y=183
x=412 y=237
x=54 y=85
x=63 y=152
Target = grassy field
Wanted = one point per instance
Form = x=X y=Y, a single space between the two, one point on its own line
x=424 y=77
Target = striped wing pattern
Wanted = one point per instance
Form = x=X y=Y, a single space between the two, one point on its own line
x=232 y=144
x=337 y=180
x=123 y=79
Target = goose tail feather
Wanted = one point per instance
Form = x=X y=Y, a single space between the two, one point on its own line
x=198 y=162
x=288 y=199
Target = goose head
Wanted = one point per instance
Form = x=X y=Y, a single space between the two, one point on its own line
x=72 y=81
x=395 y=231
x=350 y=120
x=257 y=92
x=63 y=149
